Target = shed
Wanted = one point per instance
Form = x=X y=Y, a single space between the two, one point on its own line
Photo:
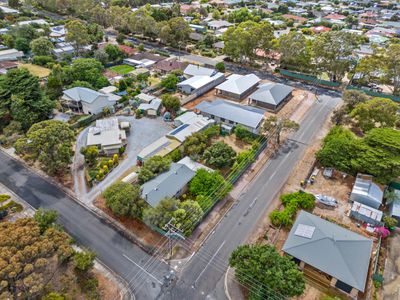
x=366 y=214
x=238 y=86
x=366 y=192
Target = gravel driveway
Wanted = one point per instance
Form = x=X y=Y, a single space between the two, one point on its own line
x=143 y=132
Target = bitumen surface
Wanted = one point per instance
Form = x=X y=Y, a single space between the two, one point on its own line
x=112 y=248
x=203 y=276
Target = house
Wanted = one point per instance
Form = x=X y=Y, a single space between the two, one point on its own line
x=192 y=164
x=107 y=136
x=36 y=22
x=198 y=37
x=238 y=86
x=200 y=84
x=166 y=66
x=152 y=108
x=7 y=65
x=366 y=192
x=334 y=18
x=320 y=29
x=194 y=70
x=201 y=60
x=191 y=126
x=10 y=54
x=161 y=147
x=168 y=184
x=198 y=28
x=57 y=31
x=271 y=96
x=129 y=51
x=9 y=11
x=331 y=254
x=218 y=24
x=87 y=101
x=366 y=214
x=184 y=118
x=143 y=60
x=231 y=114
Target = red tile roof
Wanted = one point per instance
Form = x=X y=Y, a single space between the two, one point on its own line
x=128 y=50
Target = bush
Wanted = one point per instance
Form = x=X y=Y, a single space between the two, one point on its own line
x=84 y=261
x=152 y=167
x=42 y=60
x=389 y=222
x=220 y=155
x=175 y=155
x=212 y=131
x=220 y=67
x=243 y=134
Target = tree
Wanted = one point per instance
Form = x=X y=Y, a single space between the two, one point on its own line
x=273 y=124
x=114 y=52
x=273 y=273
x=332 y=51
x=42 y=46
x=241 y=43
x=14 y=3
x=244 y=134
x=195 y=144
x=162 y=213
x=84 y=261
x=220 y=67
x=22 y=44
x=171 y=103
x=45 y=219
x=54 y=296
x=50 y=143
x=29 y=258
x=206 y=182
x=152 y=167
x=54 y=85
x=377 y=112
x=124 y=199
x=85 y=69
x=169 y=82
x=90 y=153
x=101 y=56
x=220 y=155
x=186 y=217
x=22 y=99
x=240 y=15
x=295 y=51
x=77 y=34
x=352 y=98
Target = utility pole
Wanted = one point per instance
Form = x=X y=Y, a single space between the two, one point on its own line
x=173 y=233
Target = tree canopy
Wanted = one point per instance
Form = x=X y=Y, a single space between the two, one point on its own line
x=41 y=46
x=171 y=103
x=50 y=143
x=220 y=155
x=152 y=167
x=124 y=199
x=266 y=272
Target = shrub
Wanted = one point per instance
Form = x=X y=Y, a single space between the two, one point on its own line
x=42 y=60
x=243 y=134
x=220 y=155
x=121 y=150
x=389 y=221
x=212 y=131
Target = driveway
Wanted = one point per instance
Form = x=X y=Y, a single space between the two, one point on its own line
x=391 y=283
x=143 y=132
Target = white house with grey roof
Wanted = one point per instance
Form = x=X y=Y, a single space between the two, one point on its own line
x=238 y=86
x=87 y=101
x=231 y=114
x=168 y=184
x=271 y=96
x=193 y=70
x=218 y=24
x=341 y=255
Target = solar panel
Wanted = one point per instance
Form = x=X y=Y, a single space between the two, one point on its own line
x=306 y=231
x=180 y=128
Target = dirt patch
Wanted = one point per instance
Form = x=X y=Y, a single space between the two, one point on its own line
x=141 y=231
x=108 y=288
x=235 y=143
x=209 y=96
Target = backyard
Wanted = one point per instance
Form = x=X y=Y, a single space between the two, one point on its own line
x=39 y=71
x=121 y=69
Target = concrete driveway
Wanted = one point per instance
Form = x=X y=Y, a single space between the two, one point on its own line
x=143 y=132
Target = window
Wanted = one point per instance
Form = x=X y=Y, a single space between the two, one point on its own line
x=230 y=122
x=222 y=119
x=343 y=286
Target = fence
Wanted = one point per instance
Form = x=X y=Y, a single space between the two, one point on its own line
x=85 y=121
x=309 y=78
x=231 y=179
x=373 y=93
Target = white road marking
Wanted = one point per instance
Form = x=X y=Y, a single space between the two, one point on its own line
x=151 y=275
x=215 y=254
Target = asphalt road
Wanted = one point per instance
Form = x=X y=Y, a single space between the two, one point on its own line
x=113 y=249
x=203 y=275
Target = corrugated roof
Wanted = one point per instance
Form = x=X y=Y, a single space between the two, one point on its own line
x=245 y=115
x=238 y=84
x=336 y=251
x=193 y=70
x=167 y=184
x=272 y=93
x=82 y=94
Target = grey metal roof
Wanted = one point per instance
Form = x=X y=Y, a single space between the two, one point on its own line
x=272 y=93
x=167 y=184
x=245 y=115
x=193 y=70
x=366 y=192
x=336 y=251
x=82 y=94
x=238 y=84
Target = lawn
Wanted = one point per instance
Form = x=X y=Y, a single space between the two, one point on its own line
x=39 y=71
x=154 y=80
x=122 y=69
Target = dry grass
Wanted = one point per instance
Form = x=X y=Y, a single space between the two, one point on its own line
x=39 y=71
